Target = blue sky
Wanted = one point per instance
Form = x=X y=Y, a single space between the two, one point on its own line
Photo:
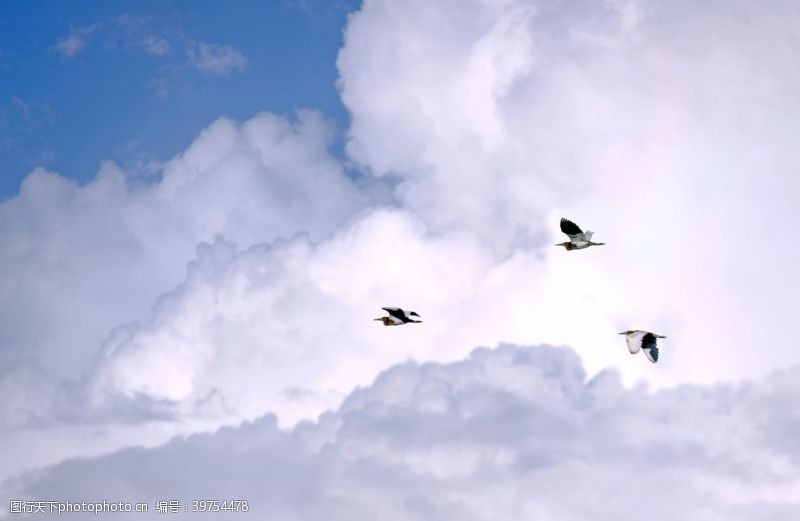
x=115 y=100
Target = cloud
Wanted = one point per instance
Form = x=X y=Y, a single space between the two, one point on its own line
x=665 y=128
x=216 y=59
x=23 y=108
x=160 y=86
x=75 y=42
x=156 y=45
x=144 y=33
x=258 y=305
x=27 y=115
x=84 y=260
x=511 y=433
x=115 y=237
x=522 y=105
x=244 y=279
x=126 y=31
x=235 y=338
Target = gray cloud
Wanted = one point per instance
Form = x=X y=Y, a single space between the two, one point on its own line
x=511 y=433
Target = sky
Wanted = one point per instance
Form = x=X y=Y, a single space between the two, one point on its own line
x=204 y=207
x=139 y=79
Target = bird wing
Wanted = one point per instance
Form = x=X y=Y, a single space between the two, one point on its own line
x=634 y=341
x=570 y=228
x=396 y=313
x=587 y=235
x=649 y=347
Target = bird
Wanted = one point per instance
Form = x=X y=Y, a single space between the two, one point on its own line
x=398 y=317
x=644 y=340
x=578 y=239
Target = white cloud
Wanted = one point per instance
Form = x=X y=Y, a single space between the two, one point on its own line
x=80 y=261
x=75 y=42
x=216 y=59
x=501 y=109
x=660 y=127
x=295 y=311
x=156 y=45
x=287 y=327
x=667 y=128
x=143 y=32
x=301 y=313
x=511 y=433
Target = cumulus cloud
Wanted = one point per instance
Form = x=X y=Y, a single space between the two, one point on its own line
x=518 y=103
x=510 y=433
x=287 y=326
x=667 y=129
x=81 y=261
x=300 y=312
x=115 y=237
x=216 y=59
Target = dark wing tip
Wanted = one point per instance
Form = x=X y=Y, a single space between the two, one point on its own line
x=396 y=312
x=569 y=227
x=653 y=354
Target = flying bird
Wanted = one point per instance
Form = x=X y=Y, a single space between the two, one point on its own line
x=643 y=340
x=578 y=239
x=398 y=317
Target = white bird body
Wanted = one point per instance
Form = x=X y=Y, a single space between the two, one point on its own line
x=642 y=340
x=398 y=317
x=581 y=241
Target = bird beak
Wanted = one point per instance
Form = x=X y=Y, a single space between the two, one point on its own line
x=623 y=333
x=660 y=336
